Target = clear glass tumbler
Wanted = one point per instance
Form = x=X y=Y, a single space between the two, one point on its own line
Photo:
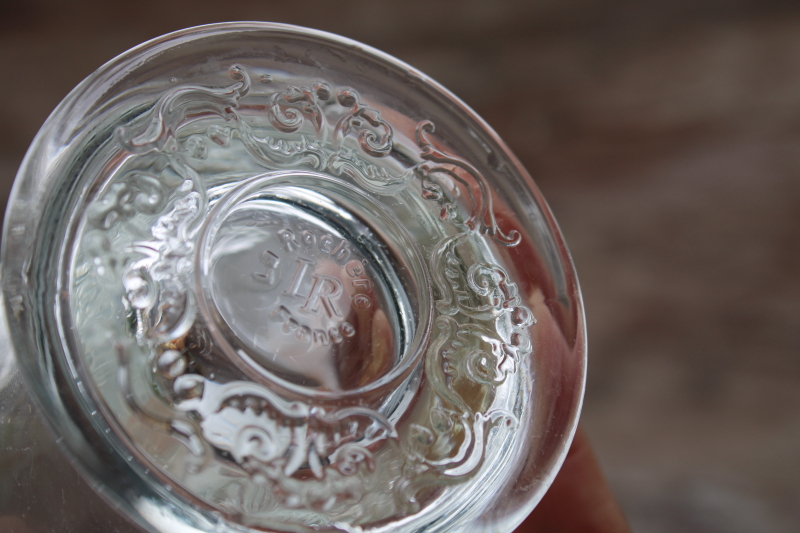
x=263 y=278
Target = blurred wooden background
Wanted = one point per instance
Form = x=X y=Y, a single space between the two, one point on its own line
x=666 y=136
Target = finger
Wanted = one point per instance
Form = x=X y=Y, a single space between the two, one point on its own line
x=579 y=500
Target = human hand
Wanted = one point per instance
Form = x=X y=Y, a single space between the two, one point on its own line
x=579 y=500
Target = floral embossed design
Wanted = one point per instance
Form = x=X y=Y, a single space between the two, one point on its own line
x=158 y=126
x=483 y=347
x=287 y=108
x=253 y=423
x=481 y=216
x=298 y=449
x=275 y=440
x=358 y=117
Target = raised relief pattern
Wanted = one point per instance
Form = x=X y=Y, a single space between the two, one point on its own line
x=316 y=283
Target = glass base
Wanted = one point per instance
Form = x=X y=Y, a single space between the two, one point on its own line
x=301 y=288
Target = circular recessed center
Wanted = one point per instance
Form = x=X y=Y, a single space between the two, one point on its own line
x=302 y=289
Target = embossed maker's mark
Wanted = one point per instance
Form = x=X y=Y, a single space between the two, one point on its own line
x=357 y=269
x=310 y=241
x=324 y=289
x=269 y=276
x=316 y=308
x=303 y=265
x=306 y=334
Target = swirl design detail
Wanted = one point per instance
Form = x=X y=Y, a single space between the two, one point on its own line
x=481 y=325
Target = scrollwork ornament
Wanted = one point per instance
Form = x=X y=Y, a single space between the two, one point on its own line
x=155 y=129
x=254 y=424
x=306 y=455
x=377 y=144
x=287 y=108
x=481 y=216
